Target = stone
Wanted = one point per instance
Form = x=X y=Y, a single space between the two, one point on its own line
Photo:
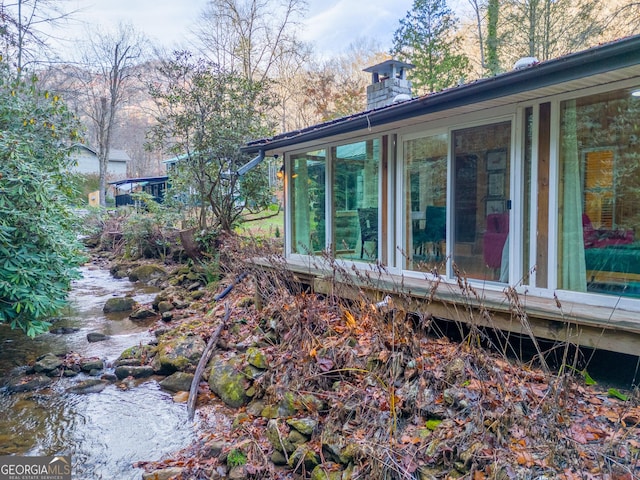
x=88 y=386
x=304 y=455
x=327 y=471
x=136 y=355
x=119 y=304
x=142 y=371
x=88 y=364
x=179 y=353
x=296 y=438
x=237 y=473
x=165 y=306
x=28 y=383
x=257 y=358
x=47 y=364
x=305 y=426
x=454 y=372
x=275 y=438
x=163 y=473
x=215 y=448
x=142 y=314
x=278 y=458
x=167 y=316
x=147 y=274
x=96 y=337
x=255 y=408
x=177 y=382
x=227 y=381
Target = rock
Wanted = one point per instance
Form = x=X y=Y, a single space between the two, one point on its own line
x=142 y=314
x=197 y=295
x=63 y=330
x=255 y=408
x=147 y=274
x=296 y=438
x=47 y=364
x=454 y=371
x=142 y=371
x=278 y=458
x=28 y=383
x=327 y=471
x=257 y=358
x=165 y=306
x=109 y=377
x=88 y=364
x=276 y=439
x=177 y=382
x=215 y=448
x=227 y=381
x=162 y=474
x=88 y=386
x=119 y=304
x=96 y=337
x=179 y=353
x=304 y=455
x=136 y=355
x=237 y=473
x=305 y=426
x=193 y=286
x=167 y=316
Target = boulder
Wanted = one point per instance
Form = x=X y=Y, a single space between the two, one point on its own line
x=179 y=353
x=119 y=304
x=96 y=337
x=147 y=274
x=47 y=363
x=88 y=364
x=125 y=371
x=88 y=386
x=165 y=306
x=28 y=383
x=305 y=426
x=257 y=358
x=178 y=382
x=136 y=355
x=228 y=382
x=142 y=314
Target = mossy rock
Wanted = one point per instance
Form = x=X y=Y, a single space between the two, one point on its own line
x=119 y=304
x=305 y=426
x=227 y=381
x=257 y=358
x=327 y=471
x=178 y=382
x=147 y=273
x=179 y=354
x=304 y=455
x=136 y=355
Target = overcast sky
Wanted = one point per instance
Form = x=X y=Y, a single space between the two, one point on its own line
x=331 y=25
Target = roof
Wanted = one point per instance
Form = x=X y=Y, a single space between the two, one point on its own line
x=140 y=180
x=115 y=155
x=600 y=59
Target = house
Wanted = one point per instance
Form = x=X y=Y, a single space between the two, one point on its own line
x=526 y=185
x=154 y=186
x=87 y=163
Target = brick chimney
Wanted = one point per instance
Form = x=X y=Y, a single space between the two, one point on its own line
x=388 y=83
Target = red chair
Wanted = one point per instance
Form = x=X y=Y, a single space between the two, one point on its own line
x=495 y=238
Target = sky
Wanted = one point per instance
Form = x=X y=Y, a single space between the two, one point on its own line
x=331 y=25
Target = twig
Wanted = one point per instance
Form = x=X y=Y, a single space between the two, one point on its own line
x=193 y=391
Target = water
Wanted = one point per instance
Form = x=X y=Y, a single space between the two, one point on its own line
x=104 y=432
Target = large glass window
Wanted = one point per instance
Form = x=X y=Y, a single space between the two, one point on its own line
x=425 y=186
x=481 y=201
x=355 y=200
x=599 y=194
x=308 y=200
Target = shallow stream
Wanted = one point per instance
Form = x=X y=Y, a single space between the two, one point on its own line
x=104 y=432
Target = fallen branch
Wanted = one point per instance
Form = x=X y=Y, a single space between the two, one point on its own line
x=193 y=391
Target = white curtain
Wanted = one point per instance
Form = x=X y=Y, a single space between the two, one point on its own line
x=574 y=274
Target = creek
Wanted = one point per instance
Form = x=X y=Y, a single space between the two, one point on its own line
x=105 y=432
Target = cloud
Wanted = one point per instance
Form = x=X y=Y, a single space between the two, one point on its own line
x=332 y=26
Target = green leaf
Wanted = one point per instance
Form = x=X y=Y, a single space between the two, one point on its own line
x=587 y=378
x=616 y=394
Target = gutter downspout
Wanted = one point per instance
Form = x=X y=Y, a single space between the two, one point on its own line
x=251 y=164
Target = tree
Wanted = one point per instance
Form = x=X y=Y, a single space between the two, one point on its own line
x=104 y=85
x=547 y=29
x=427 y=39
x=205 y=115
x=38 y=246
x=251 y=37
x=22 y=37
x=487 y=42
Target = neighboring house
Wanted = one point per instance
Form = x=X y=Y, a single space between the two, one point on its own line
x=527 y=182
x=87 y=161
x=154 y=186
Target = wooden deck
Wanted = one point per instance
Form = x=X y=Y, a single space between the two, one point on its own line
x=597 y=327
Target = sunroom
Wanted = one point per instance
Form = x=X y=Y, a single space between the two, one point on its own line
x=527 y=183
